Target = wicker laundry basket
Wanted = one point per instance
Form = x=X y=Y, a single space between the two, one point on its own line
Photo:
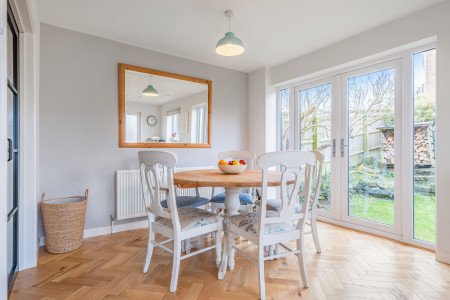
x=63 y=220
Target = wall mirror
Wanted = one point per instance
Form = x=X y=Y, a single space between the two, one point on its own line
x=164 y=110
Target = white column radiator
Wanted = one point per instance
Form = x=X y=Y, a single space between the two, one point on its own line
x=129 y=201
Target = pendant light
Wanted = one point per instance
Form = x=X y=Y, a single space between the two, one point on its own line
x=229 y=45
x=150 y=91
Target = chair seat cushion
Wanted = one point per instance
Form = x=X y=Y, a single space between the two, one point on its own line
x=250 y=223
x=191 y=217
x=243 y=198
x=275 y=205
x=188 y=201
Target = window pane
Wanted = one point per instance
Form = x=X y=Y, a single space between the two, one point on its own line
x=199 y=124
x=424 y=142
x=173 y=128
x=11 y=242
x=284 y=119
x=131 y=128
x=315 y=132
x=371 y=146
x=10 y=41
x=10 y=134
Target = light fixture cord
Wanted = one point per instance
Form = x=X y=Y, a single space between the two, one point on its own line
x=229 y=23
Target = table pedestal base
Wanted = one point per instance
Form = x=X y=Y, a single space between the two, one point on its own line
x=232 y=205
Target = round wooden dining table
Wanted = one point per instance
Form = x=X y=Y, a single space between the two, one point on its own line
x=232 y=184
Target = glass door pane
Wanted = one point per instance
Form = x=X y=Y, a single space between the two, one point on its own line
x=314 y=105
x=424 y=145
x=370 y=141
x=13 y=146
x=284 y=106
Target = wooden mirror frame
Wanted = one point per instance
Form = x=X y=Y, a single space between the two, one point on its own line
x=122 y=143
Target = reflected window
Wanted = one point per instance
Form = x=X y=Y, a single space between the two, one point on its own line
x=173 y=126
x=200 y=124
x=133 y=124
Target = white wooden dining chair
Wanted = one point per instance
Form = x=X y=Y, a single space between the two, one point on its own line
x=182 y=201
x=274 y=204
x=175 y=223
x=247 y=196
x=264 y=227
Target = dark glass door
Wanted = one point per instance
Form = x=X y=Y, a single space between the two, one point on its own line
x=13 y=145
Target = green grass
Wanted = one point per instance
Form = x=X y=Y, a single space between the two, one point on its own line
x=382 y=211
x=371 y=208
x=373 y=176
x=425 y=217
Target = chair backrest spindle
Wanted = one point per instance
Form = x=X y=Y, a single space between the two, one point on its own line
x=294 y=164
x=156 y=170
x=317 y=177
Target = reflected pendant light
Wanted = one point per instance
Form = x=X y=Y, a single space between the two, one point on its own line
x=150 y=91
x=230 y=44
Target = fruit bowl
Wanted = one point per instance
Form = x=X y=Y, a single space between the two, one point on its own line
x=232 y=169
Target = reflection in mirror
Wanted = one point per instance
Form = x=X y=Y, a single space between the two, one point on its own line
x=161 y=109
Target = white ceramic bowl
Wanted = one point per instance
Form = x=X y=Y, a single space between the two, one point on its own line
x=232 y=169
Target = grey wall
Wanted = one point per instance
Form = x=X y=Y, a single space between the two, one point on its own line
x=79 y=114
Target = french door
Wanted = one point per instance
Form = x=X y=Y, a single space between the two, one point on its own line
x=13 y=145
x=316 y=129
x=351 y=118
x=370 y=147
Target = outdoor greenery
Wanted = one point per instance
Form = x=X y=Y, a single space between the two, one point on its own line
x=371 y=198
x=371 y=150
x=423 y=112
x=380 y=210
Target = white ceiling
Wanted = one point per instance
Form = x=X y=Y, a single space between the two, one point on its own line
x=273 y=31
x=169 y=89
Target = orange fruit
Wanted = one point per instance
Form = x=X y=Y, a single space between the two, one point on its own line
x=222 y=162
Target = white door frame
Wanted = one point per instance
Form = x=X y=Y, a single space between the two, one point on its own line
x=405 y=55
x=397 y=227
x=408 y=147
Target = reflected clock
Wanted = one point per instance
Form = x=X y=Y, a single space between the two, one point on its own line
x=152 y=120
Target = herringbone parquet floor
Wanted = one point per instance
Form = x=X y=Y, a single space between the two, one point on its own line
x=352 y=265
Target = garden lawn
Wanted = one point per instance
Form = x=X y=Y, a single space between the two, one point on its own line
x=382 y=211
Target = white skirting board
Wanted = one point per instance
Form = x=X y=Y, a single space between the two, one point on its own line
x=443 y=257
x=107 y=229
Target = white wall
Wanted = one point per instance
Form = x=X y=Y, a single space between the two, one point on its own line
x=262 y=117
x=79 y=115
x=425 y=24
x=257 y=110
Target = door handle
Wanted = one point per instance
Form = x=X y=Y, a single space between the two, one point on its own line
x=332 y=145
x=10 y=150
x=343 y=145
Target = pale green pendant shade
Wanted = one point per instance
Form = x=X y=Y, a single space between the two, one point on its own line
x=150 y=91
x=230 y=45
